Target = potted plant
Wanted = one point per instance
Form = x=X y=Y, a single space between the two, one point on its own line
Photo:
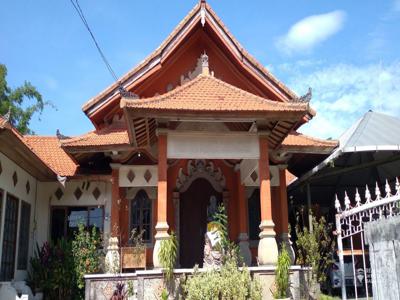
x=134 y=256
x=282 y=274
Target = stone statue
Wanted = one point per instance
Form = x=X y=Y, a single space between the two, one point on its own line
x=212 y=238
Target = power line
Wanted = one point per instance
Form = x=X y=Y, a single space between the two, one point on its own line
x=78 y=9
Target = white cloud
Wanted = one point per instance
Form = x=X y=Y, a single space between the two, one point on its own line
x=311 y=31
x=343 y=93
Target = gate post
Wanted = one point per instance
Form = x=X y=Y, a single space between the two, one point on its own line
x=341 y=260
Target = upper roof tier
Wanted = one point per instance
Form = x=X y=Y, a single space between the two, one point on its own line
x=201 y=30
x=207 y=95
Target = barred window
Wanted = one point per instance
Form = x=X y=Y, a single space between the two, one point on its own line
x=24 y=224
x=141 y=214
x=9 y=239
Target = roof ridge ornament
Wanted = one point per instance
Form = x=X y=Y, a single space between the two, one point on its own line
x=126 y=94
x=305 y=98
x=61 y=136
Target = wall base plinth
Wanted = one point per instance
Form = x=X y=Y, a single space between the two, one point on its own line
x=245 y=248
x=112 y=260
x=267 y=246
x=162 y=234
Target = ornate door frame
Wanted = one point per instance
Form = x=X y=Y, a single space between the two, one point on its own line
x=199 y=168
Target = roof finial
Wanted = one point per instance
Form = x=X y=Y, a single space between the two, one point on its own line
x=202 y=13
x=204 y=64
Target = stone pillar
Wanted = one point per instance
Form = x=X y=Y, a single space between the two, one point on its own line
x=243 y=222
x=284 y=214
x=267 y=246
x=112 y=260
x=162 y=225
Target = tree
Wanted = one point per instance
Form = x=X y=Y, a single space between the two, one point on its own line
x=15 y=101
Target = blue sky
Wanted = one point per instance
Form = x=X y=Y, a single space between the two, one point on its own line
x=347 y=51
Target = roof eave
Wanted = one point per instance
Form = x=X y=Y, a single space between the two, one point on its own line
x=33 y=164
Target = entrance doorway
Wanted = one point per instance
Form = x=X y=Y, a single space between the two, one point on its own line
x=193 y=221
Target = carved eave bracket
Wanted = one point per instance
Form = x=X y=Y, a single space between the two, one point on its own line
x=200 y=168
x=280 y=157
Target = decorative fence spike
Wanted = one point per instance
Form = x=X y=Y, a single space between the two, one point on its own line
x=358 y=198
x=346 y=201
x=350 y=221
x=377 y=192
x=388 y=191
x=337 y=204
x=367 y=195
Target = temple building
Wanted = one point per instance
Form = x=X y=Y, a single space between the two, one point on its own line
x=198 y=122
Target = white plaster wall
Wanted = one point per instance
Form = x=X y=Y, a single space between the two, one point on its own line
x=200 y=145
x=41 y=196
x=139 y=180
x=19 y=191
x=47 y=198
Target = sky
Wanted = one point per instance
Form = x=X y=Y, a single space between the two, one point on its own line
x=346 y=51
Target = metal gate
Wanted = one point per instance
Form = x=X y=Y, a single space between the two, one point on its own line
x=350 y=228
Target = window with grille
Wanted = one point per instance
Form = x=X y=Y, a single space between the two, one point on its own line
x=23 y=244
x=9 y=239
x=141 y=214
x=66 y=219
x=254 y=213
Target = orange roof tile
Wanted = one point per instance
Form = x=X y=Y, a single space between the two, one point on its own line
x=48 y=149
x=104 y=137
x=296 y=139
x=207 y=93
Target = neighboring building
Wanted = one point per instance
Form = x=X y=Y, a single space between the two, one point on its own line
x=367 y=155
x=199 y=119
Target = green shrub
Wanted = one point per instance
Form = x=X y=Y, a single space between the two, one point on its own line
x=168 y=254
x=282 y=274
x=315 y=249
x=326 y=297
x=86 y=254
x=228 y=248
x=58 y=268
x=227 y=283
x=52 y=270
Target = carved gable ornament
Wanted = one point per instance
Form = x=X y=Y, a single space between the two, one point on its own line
x=200 y=168
x=202 y=67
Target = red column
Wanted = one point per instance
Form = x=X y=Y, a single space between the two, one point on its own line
x=265 y=182
x=115 y=202
x=162 y=179
x=242 y=207
x=162 y=192
x=284 y=218
x=243 y=222
x=267 y=246
x=284 y=214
